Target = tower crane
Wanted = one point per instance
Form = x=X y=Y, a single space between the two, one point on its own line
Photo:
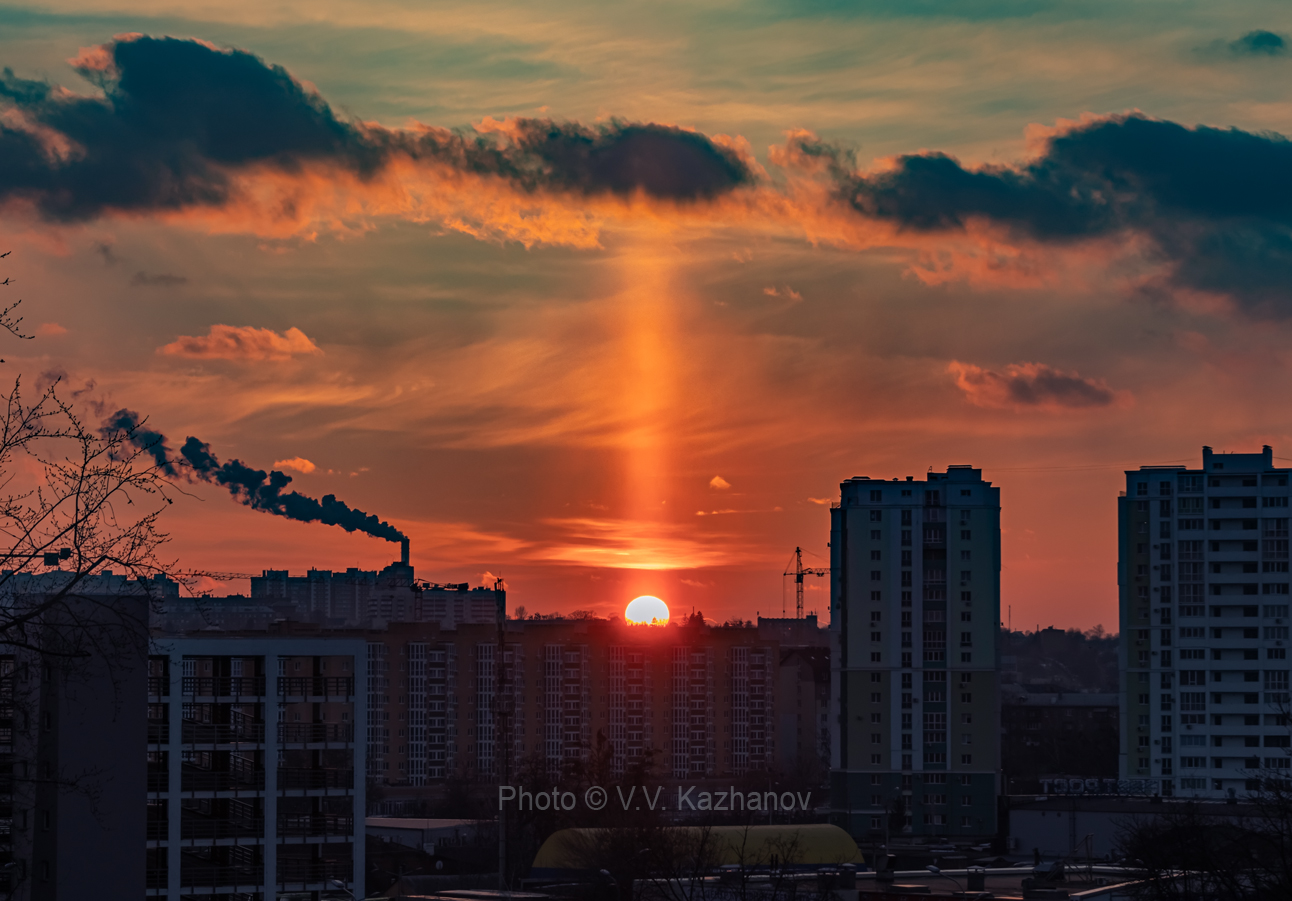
x=798 y=572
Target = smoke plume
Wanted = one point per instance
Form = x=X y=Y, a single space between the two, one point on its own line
x=256 y=488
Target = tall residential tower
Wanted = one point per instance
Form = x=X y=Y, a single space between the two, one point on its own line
x=915 y=602
x=1203 y=582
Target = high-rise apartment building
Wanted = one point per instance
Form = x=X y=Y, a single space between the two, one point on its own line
x=1203 y=583
x=252 y=763
x=915 y=604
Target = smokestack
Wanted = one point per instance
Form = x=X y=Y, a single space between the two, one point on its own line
x=403 y=550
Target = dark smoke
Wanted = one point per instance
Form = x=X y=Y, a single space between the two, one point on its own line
x=154 y=443
x=178 y=117
x=256 y=488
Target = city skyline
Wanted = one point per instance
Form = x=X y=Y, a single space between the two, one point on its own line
x=585 y=373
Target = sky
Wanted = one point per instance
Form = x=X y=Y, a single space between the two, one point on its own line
x=606 y=299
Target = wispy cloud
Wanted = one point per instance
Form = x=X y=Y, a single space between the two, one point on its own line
x=232 y=342
x=719 y=483
x=157 y=280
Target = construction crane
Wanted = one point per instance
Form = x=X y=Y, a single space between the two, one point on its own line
x=798 y=572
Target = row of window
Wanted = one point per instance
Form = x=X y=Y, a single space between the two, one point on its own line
x=1193 y=484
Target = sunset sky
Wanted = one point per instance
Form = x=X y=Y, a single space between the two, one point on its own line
x=608 y=298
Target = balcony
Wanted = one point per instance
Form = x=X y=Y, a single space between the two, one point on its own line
x=316 y=686
x=300 y=778
x=199 y=827
x=158 y=687
x=239 y=778
x=156 y=878
x=158 y=732
x=158 y=781
x=202 y=875
x=316 y=824
x=235 y=687
x=315 y=733
x=222 y=733
x=295 y=871
x=158 y=830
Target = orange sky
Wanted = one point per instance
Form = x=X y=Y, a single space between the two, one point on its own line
x=601 y=395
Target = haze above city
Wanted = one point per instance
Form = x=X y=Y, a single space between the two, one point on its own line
x=599 y=391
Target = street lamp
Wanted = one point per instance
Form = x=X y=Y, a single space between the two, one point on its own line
x=337 y=883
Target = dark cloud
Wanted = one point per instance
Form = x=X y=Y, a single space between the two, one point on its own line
x=158 y=280
x=1034 y=385
x=179 y=116
x=1216 y=202
x=1259 y=43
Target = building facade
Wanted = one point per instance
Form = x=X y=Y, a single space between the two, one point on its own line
x=687 y=701
x=252 y=761
x=1203 y=586
x=915 y=607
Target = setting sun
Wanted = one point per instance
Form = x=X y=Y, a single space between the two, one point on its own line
x=647 y=610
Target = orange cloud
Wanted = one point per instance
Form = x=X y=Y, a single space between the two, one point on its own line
x=719 y=483
x=50 y=329
x=1032 y=386
x=300 y=464
x=233 y=342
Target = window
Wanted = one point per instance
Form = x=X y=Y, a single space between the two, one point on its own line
x=1141 y=489
x=966 y=738
x=1192 y=653
x=876 y=616
x=876 y=657
x=876 y=515
x=876 y=575
x=876 y=697
x=1274 y=502
x=876 y=636
x=966 y=758
x=966 y=697
x=966 y=639
x=875 y=555
x=1276 y=653
x=966 y=535
x=966 y=718
x=876 y=497
x=876 y=760
x=1274 y=588
x=966 y=555
x=876 y=738
x=906 y=517
x=876 y=535
x=966 y=616
x=966 y=596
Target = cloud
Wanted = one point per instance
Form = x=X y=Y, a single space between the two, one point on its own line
x=233 y=342
x=786 y=292
x=823 y=501
x=50 y=330
x=182 y=122
x=1212 y=205
x=160 y=280
x=719 y=483
x=1035 y=386
x=299 y=464
x=1259 y=43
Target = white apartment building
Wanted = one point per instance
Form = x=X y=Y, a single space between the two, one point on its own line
x=1203 y=579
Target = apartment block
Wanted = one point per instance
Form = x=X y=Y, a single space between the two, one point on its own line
x=1203 y=587
x=252 y=756
x=915 y=608
x=692 y=701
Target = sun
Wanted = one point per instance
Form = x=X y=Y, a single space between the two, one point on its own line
x=647 y=610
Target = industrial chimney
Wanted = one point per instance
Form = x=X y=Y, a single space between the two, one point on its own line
x=403 y=550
